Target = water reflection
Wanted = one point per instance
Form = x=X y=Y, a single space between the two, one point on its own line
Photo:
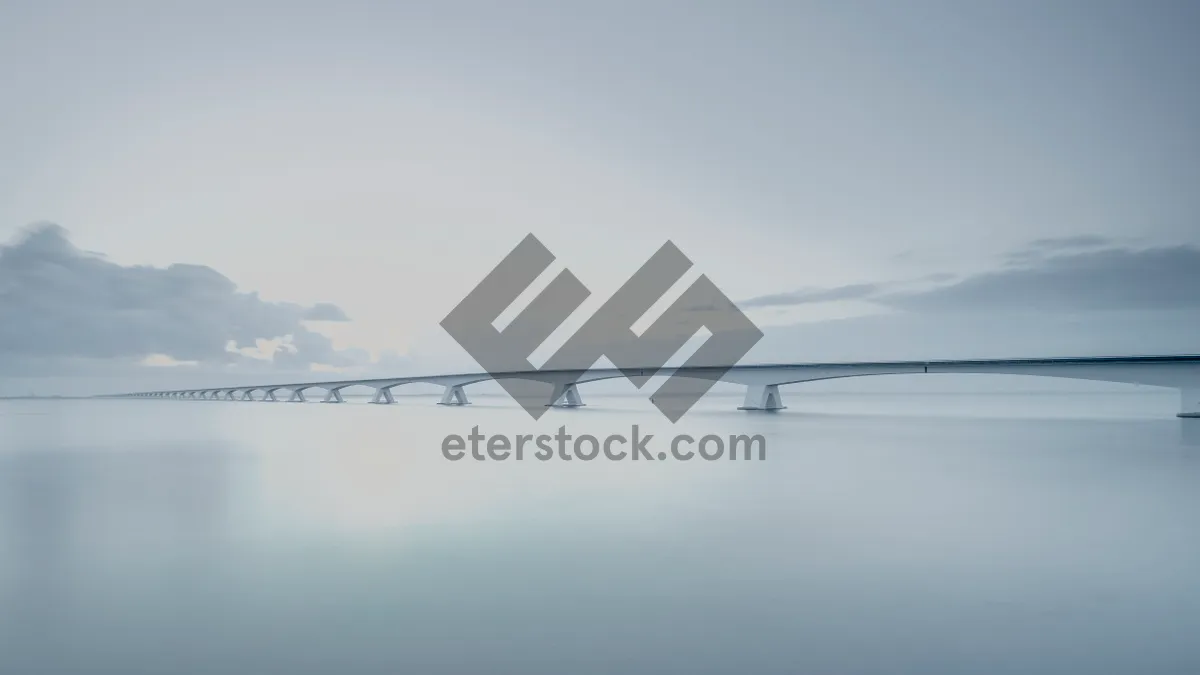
x=1189 y=432
x=902 y=534
x=111 y=505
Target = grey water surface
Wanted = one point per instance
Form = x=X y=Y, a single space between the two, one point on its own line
x=891 y=533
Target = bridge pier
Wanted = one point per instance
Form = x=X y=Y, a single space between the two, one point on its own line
x=383 y=395
x=1189 y=402
x=334 y=396
x=248 y=395
x=762 y=397
x=297 y=396
x=566 y=397
x=454 y=395
x=229 y=396
x=270 y=396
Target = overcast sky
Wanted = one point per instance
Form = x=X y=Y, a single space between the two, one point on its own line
x=333 y=177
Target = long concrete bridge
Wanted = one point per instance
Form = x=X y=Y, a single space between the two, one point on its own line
x=762 y=381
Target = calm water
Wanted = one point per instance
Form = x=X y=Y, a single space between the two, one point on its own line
x=919 y=534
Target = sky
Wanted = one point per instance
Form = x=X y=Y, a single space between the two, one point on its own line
x=192 y=192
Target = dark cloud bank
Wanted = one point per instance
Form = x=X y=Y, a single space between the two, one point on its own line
x=60 y=306
x=1076 y=274
x=1081 y=295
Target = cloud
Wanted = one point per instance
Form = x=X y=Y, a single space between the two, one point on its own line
x=1039 y=249
x=1105 y=279
x=1068 y=243
x=1062 y=275
x=812 y=295
x=1085 y=296
x=981 y=335
x=324 y=311
x=61 y=305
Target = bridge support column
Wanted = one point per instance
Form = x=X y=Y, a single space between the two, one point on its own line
x=762 y=397
x=334 y=396
x=229 y=396
x=1189 y=402
x=566 y=397
x=270 y=396
x=247 y=395
x=454 y=395
x=383 y=395
x=297 y=396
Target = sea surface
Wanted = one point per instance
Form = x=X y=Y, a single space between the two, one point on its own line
x=888 y=533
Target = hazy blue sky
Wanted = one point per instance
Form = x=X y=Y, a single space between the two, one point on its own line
x=815 y=160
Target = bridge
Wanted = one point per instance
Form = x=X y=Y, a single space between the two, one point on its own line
x=762 y=381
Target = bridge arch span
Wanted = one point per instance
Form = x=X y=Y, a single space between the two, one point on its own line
x=762 y=381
